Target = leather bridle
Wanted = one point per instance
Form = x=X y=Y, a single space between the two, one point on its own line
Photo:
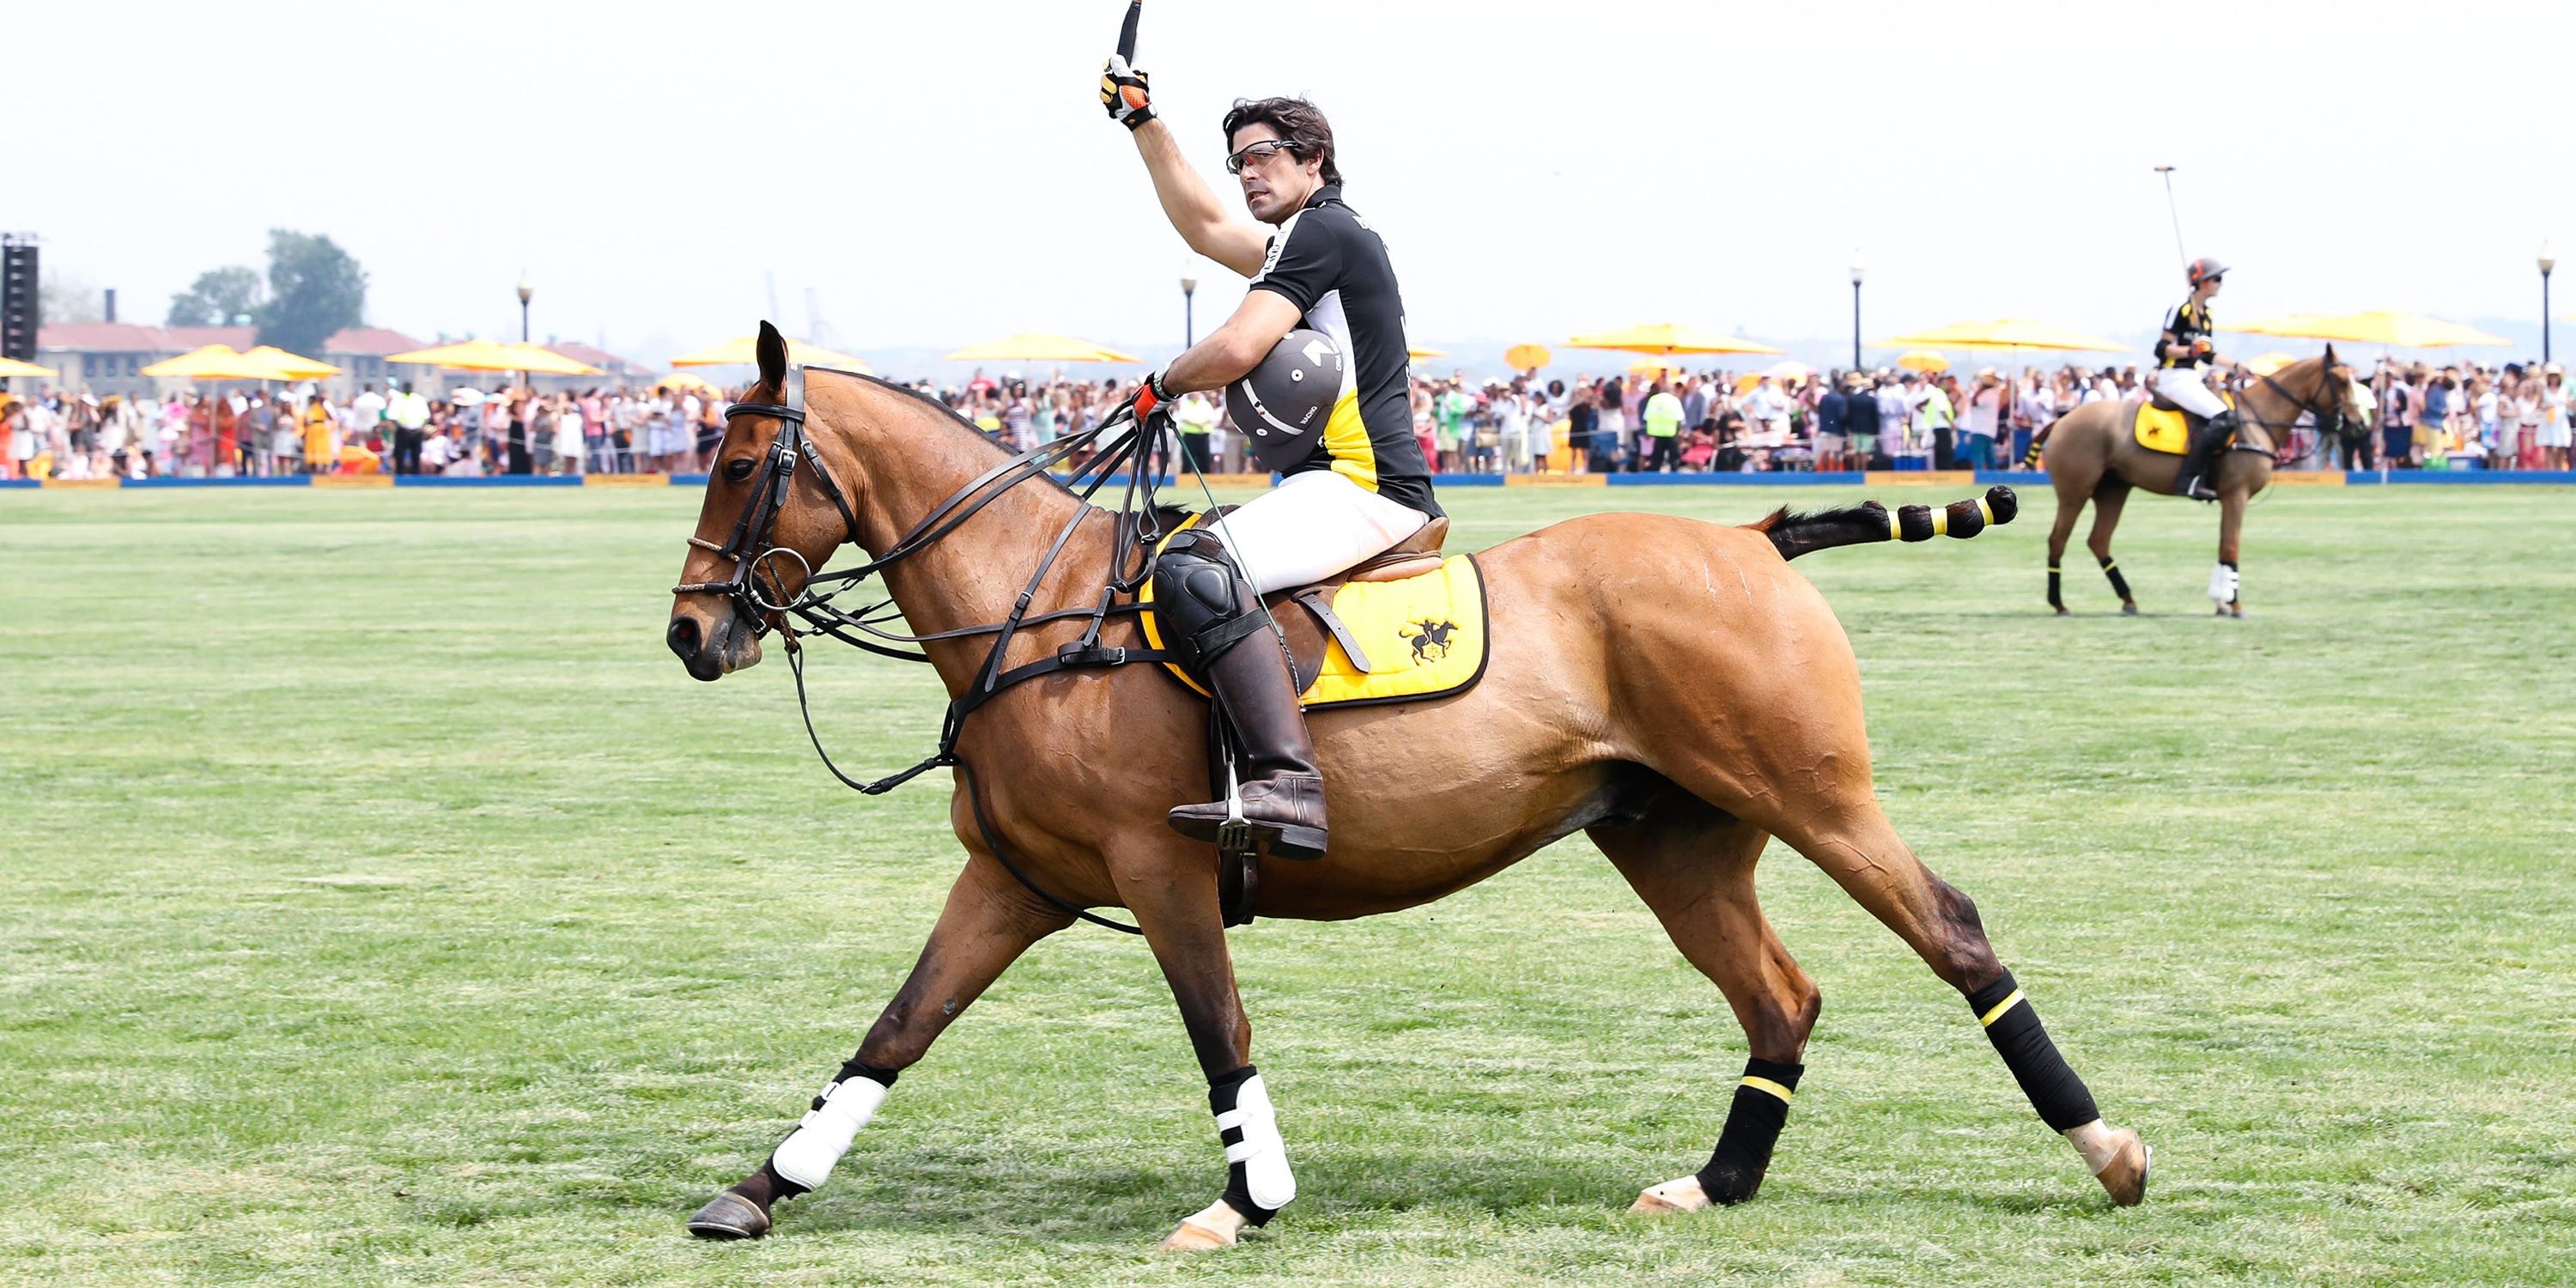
x=2281 y=442
x=750 y=547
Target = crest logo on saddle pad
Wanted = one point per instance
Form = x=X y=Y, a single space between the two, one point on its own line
x=1430 y=638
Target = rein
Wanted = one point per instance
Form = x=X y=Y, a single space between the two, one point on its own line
x=759 y=596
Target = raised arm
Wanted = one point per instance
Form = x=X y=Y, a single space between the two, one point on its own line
x=1230 y=238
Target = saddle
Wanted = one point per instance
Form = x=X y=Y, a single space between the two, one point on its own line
x=2161 y=426
x=1405 y=625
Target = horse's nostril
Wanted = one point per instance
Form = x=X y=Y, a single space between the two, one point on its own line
x=683 y=636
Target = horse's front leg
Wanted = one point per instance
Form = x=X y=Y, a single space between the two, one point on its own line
x=989 y=921
x=2222 y=577
x=1170 y=884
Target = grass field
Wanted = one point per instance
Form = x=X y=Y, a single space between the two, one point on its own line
x=384 y=905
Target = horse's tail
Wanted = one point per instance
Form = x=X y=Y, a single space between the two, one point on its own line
x=2030 y=459
x=1854 y=525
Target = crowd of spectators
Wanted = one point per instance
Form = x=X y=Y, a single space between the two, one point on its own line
x=394 y=429
x=1785 y=417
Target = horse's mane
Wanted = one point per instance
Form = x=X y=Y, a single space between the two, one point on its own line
x=948 y=417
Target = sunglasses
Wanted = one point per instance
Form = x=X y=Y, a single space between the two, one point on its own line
x=1257 y=153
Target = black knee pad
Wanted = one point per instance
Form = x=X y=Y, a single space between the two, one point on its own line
x=1204 y=608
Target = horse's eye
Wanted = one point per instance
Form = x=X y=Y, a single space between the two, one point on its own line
x=737 y=470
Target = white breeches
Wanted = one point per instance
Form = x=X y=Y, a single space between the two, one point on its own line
x=2188 y=388
x=1310 y=527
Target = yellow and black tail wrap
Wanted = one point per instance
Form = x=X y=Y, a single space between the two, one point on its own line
x=1753 y=1126
x=1798 y=534
x=2013 y=1026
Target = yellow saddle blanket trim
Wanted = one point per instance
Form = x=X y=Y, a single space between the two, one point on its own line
x=1425 y=637
x=2162 y=430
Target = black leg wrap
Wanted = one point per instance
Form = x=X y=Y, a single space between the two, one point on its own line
x=1753 y=1125
x=2119 y=584
x=2055 y=600
x=2012 y=1024
x=1238 y=1191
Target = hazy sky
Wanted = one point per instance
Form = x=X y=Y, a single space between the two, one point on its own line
x=941 y=173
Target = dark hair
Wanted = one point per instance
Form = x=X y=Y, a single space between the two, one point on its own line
x=1299 y=123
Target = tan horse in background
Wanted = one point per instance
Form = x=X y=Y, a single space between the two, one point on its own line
x=2091 y=454
x=1670 y=687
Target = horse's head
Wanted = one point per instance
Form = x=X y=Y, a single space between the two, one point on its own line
x=770 y=518
x=2342 y=391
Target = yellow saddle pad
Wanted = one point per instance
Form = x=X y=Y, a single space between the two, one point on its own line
x=2161 y=429
x=1425 y=637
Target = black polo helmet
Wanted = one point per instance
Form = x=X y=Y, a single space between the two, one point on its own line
x=1280 y=403
x=2205 y=268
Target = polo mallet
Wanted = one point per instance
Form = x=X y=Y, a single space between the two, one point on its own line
x=1127 y=32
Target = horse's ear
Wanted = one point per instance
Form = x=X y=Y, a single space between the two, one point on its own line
x=2332 y=361
x=772 y=351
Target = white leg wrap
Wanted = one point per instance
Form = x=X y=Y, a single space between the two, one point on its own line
x=2222 y=584
x=807 y=1155
x=1262 y=1152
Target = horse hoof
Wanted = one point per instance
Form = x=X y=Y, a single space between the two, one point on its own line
x=2125 y=1176
x=729 y=1216
x=1669 y=1198
x=2063 y=613
x=2128 y=608
x=1219 y=1226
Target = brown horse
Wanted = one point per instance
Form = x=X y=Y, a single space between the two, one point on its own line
x=2091 y=454
x=1582 y=722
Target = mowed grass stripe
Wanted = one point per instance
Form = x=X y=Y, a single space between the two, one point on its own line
x=387 y=907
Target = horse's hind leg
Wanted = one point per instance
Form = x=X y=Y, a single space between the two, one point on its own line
x=2070 y=507
x=1693 y=866
x=2107 y=505
x=1855 y=845
x=990 y=919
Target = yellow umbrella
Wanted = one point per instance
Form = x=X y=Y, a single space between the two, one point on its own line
x=2380 y=326
x=2005 y=333
x=494 y=355
x=12 y=367
x=1033 y=346
x=741 y=351
x=302 y=368
x=683 y=380
x=219 y=362
x=1669 y=338
x=1923 y=360
x=1527 y=357
x=1418 y=353
x=1655 y=367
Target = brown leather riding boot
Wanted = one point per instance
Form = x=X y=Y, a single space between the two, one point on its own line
x=1283 y=795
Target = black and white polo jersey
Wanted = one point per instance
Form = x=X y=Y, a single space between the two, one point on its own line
x=1333 y=267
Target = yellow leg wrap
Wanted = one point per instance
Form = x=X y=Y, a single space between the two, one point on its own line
x=2010 y=1001
x=1767 y=1085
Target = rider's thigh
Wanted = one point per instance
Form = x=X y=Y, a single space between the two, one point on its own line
x=1312 y=526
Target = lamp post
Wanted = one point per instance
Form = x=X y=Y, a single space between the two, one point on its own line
x=2547 y=262
x=1856 y=267
x=525 y=292
x=1189 y=319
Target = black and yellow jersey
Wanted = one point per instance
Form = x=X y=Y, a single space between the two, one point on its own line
x=1328 y=262
x=2189 y=321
